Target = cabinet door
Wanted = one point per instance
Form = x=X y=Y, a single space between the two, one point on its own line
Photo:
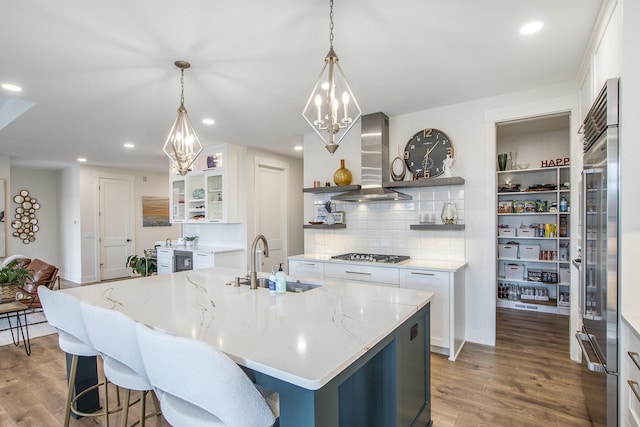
x=165 y=261
x=215 y=197
x=202 y=260
x=304 y=269
x=438 y=283
x=177 y=200
x=631 y=383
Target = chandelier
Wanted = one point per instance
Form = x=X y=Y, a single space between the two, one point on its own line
x=182 y=145
x=331 y=110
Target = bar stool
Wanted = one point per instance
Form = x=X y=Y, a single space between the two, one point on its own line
x=198 y=385
x=113 y=334
x=63 y=313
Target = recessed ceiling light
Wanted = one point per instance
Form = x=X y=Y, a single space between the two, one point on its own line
x=208 y=121
x=81 y=159
x=129 y=145
x=298 y=148
x=531 y=27
x=11 y=87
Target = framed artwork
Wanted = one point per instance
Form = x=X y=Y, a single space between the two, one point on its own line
x=338 y=217
x=155 y=211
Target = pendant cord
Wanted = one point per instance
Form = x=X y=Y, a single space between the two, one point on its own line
x=331 y=23
x=182 y=86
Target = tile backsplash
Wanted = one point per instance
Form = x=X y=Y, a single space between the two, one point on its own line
x=384 y=227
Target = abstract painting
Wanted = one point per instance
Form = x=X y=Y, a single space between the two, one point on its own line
x=155 y=211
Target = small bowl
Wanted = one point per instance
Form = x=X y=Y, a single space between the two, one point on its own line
x=523 y=165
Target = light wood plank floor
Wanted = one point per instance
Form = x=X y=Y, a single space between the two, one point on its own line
x=527 y=379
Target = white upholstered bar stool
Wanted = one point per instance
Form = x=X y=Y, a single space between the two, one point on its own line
x=113 y=334
x=63 y=313
x=198 y=385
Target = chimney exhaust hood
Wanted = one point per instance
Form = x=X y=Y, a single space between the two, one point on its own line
x=375 y=163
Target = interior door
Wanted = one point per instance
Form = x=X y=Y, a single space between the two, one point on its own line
x=116 y=227
x=271 y=212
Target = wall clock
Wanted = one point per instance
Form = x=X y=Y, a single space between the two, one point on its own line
x=425 y=152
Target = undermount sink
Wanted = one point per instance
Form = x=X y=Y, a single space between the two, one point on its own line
x=297 y=286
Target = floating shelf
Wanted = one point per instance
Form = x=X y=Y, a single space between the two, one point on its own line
x=425 y=182
x=437 y=227
x=332 y=189
x=325 y=226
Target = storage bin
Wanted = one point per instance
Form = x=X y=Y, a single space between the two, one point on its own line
x=514 y=272
x=534 y=275
x=506 y=232
x=526 y=232
x=529 y=252
x=508 y=251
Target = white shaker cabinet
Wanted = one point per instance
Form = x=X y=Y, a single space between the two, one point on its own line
x=202 y=260
x=447 y=307
x=386 y=276
x=630 y=378
x=164 y=258
x=306 y=269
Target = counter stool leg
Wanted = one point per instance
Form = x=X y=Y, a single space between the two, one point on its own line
x=72 y=381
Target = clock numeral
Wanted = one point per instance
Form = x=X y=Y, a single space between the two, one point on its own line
x=427 y=133
x=450 y=151
x=426 y=173
x=406 y=155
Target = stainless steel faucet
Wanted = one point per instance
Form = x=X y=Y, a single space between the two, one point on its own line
x=167 y=242
x=253 y=274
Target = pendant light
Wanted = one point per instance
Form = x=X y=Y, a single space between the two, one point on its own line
x=331 y=110
x=182 y=145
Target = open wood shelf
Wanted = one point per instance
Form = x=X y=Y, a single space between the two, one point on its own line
x=425 y=182
x=332 y=189
x=437 y=227
x=325 y=226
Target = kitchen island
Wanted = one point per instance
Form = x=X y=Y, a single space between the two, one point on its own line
x=340 y=354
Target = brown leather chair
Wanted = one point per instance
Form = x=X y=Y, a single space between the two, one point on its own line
x=43 y=275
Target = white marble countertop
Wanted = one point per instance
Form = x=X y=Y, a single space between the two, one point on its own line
x=633 y=320
x=426 y=264
x=302 y=338
x=201 y=248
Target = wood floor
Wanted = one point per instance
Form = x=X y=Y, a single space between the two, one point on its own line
x=527 y=379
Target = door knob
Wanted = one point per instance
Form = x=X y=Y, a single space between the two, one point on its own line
x=128 y=240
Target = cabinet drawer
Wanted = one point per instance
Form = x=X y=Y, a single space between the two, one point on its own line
x=379 y=275
x=632 y=386
x=310 y=269
x=202 y=260
x=164 y=256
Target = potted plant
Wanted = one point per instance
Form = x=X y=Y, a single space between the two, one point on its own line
x=15 y=275
x=190 y=240
x=143 y=265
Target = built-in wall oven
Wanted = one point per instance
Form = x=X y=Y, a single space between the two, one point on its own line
x=182 y=260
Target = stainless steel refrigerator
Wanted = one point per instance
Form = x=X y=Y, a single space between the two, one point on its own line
x=599 y=299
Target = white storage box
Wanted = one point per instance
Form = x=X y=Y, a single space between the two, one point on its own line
x=565 y=275
x=526 y=232
x=514 y=272
x=506 y=232
x=508 y=251
x=529 y=252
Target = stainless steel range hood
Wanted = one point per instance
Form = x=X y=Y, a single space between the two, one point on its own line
x=375 y=163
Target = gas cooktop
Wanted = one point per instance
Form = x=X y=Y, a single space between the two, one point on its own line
x=390 y=259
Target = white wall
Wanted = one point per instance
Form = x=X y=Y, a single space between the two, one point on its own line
x=5 y=174
x=41 y=185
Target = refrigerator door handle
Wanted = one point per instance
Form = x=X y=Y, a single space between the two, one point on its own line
x=593 y=366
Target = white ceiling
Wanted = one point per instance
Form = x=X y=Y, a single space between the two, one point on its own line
x=101 y=73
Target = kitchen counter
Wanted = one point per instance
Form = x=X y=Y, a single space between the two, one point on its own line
x=427 y=264
x=299 y=344
x=633 y=320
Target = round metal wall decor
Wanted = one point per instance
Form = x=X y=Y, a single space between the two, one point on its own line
x=25 y=223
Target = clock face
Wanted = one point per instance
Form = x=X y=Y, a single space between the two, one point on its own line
x=426 y=151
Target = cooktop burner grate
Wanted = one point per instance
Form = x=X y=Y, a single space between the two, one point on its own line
x=362 y=257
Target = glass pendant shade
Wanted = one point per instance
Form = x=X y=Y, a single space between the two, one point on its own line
x=332 y=109
x=183 y=145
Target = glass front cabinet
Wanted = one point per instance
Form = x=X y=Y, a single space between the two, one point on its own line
x=203 y=194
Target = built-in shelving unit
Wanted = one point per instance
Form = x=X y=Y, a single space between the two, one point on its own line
x=325 y=226
x=533 y=239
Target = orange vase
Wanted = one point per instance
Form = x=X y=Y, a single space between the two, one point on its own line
x=342 y=176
